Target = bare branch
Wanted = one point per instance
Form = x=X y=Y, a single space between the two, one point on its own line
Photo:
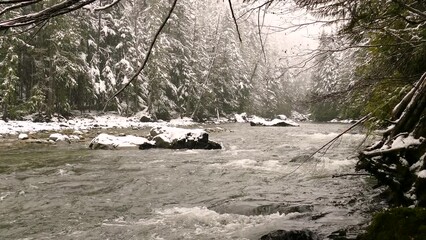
x=259 y=27
x=350 y=174
x=134 y=77
x=18 y=5
x=12 y=1
x=267 y=3
x=327 y=145
x=411 y=9
x=102 y=8
x=235 y=20
x=61 y=8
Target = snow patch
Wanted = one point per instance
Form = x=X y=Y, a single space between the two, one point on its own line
x=241 y=118
x=23 y=136
x=422 y=174
x=171 y=133
x=57 y=137
x=106 y=141
x=403 y=142
x=261 y=121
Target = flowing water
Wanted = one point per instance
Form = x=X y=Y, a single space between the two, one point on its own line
x=260 y=182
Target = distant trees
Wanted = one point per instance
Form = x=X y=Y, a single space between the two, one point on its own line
x=383 y=51
x=387 y=81
x=78 y=60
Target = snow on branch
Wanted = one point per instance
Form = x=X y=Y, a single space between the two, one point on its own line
x=410 y=8
x=104 y=7
x=48 y=12
x=20 y=4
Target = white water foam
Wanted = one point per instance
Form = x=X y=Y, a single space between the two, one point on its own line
x=201 y=222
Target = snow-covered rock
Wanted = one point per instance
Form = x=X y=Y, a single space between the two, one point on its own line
x=77 y=132
x=297 y=116
x=74 y=137
x=160 y=137
x=143 y=116
x=241 y=118
x=106 y=141
x=23 y=136
x=146 y=119
x=178 y=138
x=421 y=174
x=351 y=121
x=405 y=141
x=57 y=137
x=258 y=121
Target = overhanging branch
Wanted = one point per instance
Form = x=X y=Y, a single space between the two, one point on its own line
x=63 y=7
x=235 y=20
x=148 y=54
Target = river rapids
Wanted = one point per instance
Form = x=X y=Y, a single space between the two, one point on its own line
x=260 y=181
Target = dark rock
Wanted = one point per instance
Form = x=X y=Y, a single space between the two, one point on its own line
x=253 y=209
x=281 y=208
x=397 y=223
x=178 y=138
x=320 y=215
x=290 y=235
x=146 y=119
x=42 y=117
x=193 y=144
x=146 y=145
x=161 y=141
x=88 y=116
x=338 y=235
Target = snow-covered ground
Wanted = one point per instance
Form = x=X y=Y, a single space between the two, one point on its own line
x=84 y=124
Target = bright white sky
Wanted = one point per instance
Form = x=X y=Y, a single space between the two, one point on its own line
x=287 y=33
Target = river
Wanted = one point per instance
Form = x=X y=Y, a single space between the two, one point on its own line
x=247 y=189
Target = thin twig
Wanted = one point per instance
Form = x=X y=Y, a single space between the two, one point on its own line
x=351 y=174
x=18 y=5
x=338 y=136
x=104 y=7
x=259 y=27
x=61 y=8
x=362 y=120
x=146 y=57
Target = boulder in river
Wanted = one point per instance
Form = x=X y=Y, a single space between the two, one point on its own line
x=253 y=208
x=160 y=137
x=258 y=121
x=57 y=137
x=146 y=118
x=290 y=235
x=241 y=118
x=23 y=136
x=180 y=138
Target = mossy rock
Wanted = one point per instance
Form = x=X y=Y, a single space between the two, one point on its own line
x=398 y=224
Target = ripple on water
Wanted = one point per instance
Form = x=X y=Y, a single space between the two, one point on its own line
x=247 y=189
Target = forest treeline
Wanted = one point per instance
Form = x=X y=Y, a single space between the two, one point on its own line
x=374 y=53
x=372 y=61
x=198 y=67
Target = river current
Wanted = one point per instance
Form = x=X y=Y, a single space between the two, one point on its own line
x=259 y=182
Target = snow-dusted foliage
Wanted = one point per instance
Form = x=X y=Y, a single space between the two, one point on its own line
x=198 y=67
x=332 y=78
